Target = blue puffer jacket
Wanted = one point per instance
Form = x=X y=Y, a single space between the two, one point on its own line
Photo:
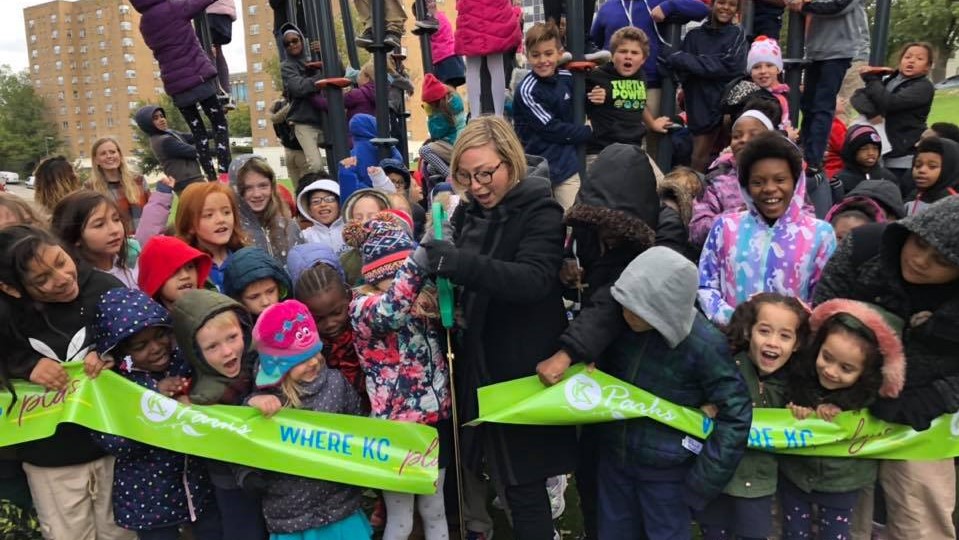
x=363 y=130
x=152 y=487
x=543 y=117
x=166 y=26
x=251 y=264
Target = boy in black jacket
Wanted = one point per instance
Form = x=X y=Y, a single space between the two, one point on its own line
x=860 y=156
x=622 y=116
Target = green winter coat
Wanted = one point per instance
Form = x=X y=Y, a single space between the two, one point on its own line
x=829 y=475
x=757 y=472
x=208 y=386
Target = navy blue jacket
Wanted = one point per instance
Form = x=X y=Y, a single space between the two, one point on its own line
x=711 y=57
x=543 y=117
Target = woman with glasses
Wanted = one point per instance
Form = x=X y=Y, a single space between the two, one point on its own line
x=299 y=75
x=504 y=256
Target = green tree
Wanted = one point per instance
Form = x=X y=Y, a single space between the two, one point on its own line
x=239 y=121
x=26 y=134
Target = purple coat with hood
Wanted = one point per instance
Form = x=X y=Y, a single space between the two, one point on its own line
x=166 y=28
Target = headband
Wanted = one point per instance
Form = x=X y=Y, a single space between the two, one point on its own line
x=753 y=113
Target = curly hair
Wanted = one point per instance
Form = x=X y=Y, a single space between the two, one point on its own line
x=741 y=323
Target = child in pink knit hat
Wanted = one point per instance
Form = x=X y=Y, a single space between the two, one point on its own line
x=293 y=374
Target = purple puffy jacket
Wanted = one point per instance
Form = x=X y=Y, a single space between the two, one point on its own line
x=166 y=28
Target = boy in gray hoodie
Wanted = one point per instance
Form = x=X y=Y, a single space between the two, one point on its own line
x=650 y=475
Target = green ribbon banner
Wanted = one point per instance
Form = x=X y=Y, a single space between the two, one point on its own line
x=593 y=397
x=394 y=456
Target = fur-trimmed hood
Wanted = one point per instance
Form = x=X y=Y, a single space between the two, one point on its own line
x=884 y=325
x=619 y=196
x=670 y=188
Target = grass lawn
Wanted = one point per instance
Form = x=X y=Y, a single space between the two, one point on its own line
x=945 y=107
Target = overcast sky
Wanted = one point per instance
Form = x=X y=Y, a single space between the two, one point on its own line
x=13 y=41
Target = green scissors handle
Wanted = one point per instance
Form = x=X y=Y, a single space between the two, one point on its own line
x=443 y=285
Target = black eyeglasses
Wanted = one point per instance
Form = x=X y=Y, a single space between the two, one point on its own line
x=482 y=177
x=293 y=41
x=328 y=199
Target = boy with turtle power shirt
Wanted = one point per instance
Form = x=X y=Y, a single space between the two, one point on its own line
x=622 y=117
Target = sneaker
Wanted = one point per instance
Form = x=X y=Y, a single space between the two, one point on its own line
x=393 y=39
x=428 y=25
x=556 y=489
x=365 y=39
x=595 y=54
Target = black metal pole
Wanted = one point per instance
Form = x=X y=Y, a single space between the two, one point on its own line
x=794 y=62
x=880 y=34
x=574 y=39
x=348 y=34
x=319 y=22
x=748 y=16
x=672 y=33
x=383 y=138
x=425 y=37
x=402 y=115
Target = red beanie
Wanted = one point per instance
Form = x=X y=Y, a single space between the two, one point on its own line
x=162 y=257
x=433 y=89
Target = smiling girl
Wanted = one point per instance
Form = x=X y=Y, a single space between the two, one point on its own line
x=91 y=225
x=773 y=246
x=111 y=175
x=207 y=220
x=855 y=356
x=263 y=214
x=47 y=315
x=319 y=202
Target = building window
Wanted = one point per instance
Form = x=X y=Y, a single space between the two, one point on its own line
x=109 y=106
x=75 y=80
x=70 y=49
x=88 y=94
x=55 y=34
x=58 y=64
x=91 y=109
x=60 y=80
x=30 y=23
x=83 y=33
x=99 y=13
x=53 y=18
x=252 y=10
x=56 y=49
x=130 y=74
x=60 y=95
x=85 y=64
x=104 y=61
x=79 y=126
x=261 y=123
x=105 y=77
x=109 y=121
x=83 y=49
x=260 y=105
x=126 y=26
x=128 y=58
x=102 y=45
x=258 y=86
x=264 y=142
x=127 y=42
x=100 y=30
x=80 y=17
x=255 y=48
x=36 y=68
x=124 y=9
x=63 y=111
x=131 y=105
x=65 y=125
x=76 y=110
x=33 y=53
x=37 y=83
x=76 y=94
x=254 y=29
x=107 y=92
x=131 y=90
x=257 y=67
x=33 y=38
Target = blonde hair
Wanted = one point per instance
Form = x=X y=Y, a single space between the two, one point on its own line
x=24 y=212
x=629 y=33
x=496 y=132
x=55 y=179
x=290 y=389
x=132 y=190
x=688 y=178
x=367 y=71
x=223 y=320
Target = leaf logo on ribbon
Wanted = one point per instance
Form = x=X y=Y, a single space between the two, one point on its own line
x=582 y=392
x=157 y=408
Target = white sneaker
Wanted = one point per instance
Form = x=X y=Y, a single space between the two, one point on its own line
x=556 y=489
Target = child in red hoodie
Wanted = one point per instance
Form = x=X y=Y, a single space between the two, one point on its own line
x=170 y=267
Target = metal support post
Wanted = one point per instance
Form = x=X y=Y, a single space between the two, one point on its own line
x=348 y=34
x=667 y=104
x=319 y=22
x=880 y=34
x=794 y=62
x=383 y=139
x=574 y=27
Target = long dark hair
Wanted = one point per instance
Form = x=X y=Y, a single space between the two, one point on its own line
x=70 y=217
x=741 y=323
x=804 y=387
x=19 y=246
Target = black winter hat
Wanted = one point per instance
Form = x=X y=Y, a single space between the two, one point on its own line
x=619 y=195
x=938 y=225
x=858 y=136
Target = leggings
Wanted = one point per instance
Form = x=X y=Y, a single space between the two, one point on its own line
x=399 y=513
x=201 y=138
x=494 y=66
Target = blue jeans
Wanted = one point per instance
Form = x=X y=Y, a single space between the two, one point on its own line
x=631 y=507
x=818 y=105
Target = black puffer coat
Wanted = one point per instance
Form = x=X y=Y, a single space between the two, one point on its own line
x=866 y=267
x=507 y=273
x=905 y=108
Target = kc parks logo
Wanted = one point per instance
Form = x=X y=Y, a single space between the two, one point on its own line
x=583 y=393
x=158 y=409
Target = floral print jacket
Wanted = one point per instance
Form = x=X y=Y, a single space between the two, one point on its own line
x=406 y=373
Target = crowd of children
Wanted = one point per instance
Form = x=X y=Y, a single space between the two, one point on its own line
x=816 y=292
